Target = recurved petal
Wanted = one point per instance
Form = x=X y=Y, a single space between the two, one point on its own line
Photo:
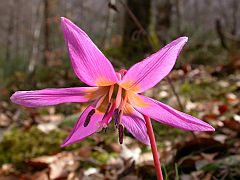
x=134 y=123
x=88 y=62
x=49 y=97
x=79 y=132
x=151 y=70
x=167 y=115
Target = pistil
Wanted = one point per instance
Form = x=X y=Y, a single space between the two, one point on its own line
x=108 y=107
x=117 y=99
x=108 y=115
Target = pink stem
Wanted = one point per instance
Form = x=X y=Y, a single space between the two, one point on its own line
x=154 y=148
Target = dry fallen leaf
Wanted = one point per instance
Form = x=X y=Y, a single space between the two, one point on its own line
x=145 y=159
x=232 y=124
x=4 y=120
x=60 y=165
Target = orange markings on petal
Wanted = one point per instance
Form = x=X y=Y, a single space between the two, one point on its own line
x=102 y=81
x=136 y=100
x=128 y=109
x=129 y=85
x=90 y=90
x=94 y=94
x=101 y=99
x=103 y=106
x=98 y=112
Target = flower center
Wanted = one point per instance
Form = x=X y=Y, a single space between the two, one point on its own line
x=112 y=105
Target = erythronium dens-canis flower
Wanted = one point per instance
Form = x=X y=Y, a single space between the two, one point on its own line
x=114 y=95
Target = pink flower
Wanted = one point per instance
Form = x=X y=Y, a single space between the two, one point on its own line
x=114 y=94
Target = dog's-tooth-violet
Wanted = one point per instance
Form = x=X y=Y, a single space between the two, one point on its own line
x=113 y=94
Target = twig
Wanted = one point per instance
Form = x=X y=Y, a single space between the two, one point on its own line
x=134 y=18
x=137 y=23
x=141 y=28
x=175 y=93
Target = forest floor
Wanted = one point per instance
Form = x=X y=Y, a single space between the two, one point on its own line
x=30 y=138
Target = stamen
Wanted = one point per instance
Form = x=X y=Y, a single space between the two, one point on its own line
x=108 y=107
x=120 y=132
x=116 y=114
x=100 y=101
x=123 y=102
x=119 y=97
x=88 y=118
x=120 y=116
x=110 y=93
x=121 y=106
x=108 y=115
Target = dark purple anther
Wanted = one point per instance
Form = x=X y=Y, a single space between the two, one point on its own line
x=116 y=115
x=120 y=132
x=88 y=118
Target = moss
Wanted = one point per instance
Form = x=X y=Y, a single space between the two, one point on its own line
x=86 y=164
x=69 y=121
x=164 y=132
x=21 y=145
x=210 y=90
x=100 y=156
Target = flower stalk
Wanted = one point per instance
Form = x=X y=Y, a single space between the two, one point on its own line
x=154 y=148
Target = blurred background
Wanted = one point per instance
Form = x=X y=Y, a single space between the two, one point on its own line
x=205 y=83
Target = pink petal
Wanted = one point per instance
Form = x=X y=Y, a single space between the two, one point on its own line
x=167 y=115
x=79 y=132
x=49 y=97
x=150 y=71
x=136 y=126
x=88 y=62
